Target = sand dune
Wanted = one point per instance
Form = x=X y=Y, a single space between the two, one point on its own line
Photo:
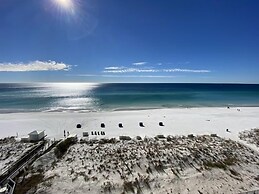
x=188 y=164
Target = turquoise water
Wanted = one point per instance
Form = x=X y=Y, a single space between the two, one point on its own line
x=98 y=97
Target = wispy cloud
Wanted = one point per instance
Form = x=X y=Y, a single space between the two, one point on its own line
x=114 y=68
x=34 y=66
x=152 y=70
x=139 y=63
x=187 y=70
x=132 y=70
x=122 y=76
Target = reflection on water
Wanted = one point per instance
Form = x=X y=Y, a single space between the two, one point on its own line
x=95 y=97
x=48 y=96
x=65 y=89
x=70 y=96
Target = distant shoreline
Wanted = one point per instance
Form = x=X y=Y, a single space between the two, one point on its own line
x=10 y=111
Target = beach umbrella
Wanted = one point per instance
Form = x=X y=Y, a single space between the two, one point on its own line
x=141 y=124
x=78 y=126
x=102 y=125
x=120 y=125
x=161 y=124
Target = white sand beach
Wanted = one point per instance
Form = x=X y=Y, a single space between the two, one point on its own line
x=177 y=121
x=189 y=173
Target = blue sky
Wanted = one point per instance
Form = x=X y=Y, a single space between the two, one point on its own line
x=129 y=41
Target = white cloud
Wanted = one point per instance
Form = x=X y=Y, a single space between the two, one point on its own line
x=151 y=70
x=187 y=70
x=123 y=76
x=139 y=63
x=132 y=70
x=114 y=68
x=34 y=66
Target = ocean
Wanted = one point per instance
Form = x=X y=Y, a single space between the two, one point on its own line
x=85 y=97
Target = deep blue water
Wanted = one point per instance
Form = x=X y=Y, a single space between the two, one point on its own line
x=98 y=97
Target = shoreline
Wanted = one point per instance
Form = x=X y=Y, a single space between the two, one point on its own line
x=83 y=111
x=177 y=121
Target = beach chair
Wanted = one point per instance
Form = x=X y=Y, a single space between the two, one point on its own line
x=85 y=134
x=141 y=124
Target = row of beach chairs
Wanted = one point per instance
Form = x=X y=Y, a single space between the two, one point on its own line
x=86 y=134
x=141 y=124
